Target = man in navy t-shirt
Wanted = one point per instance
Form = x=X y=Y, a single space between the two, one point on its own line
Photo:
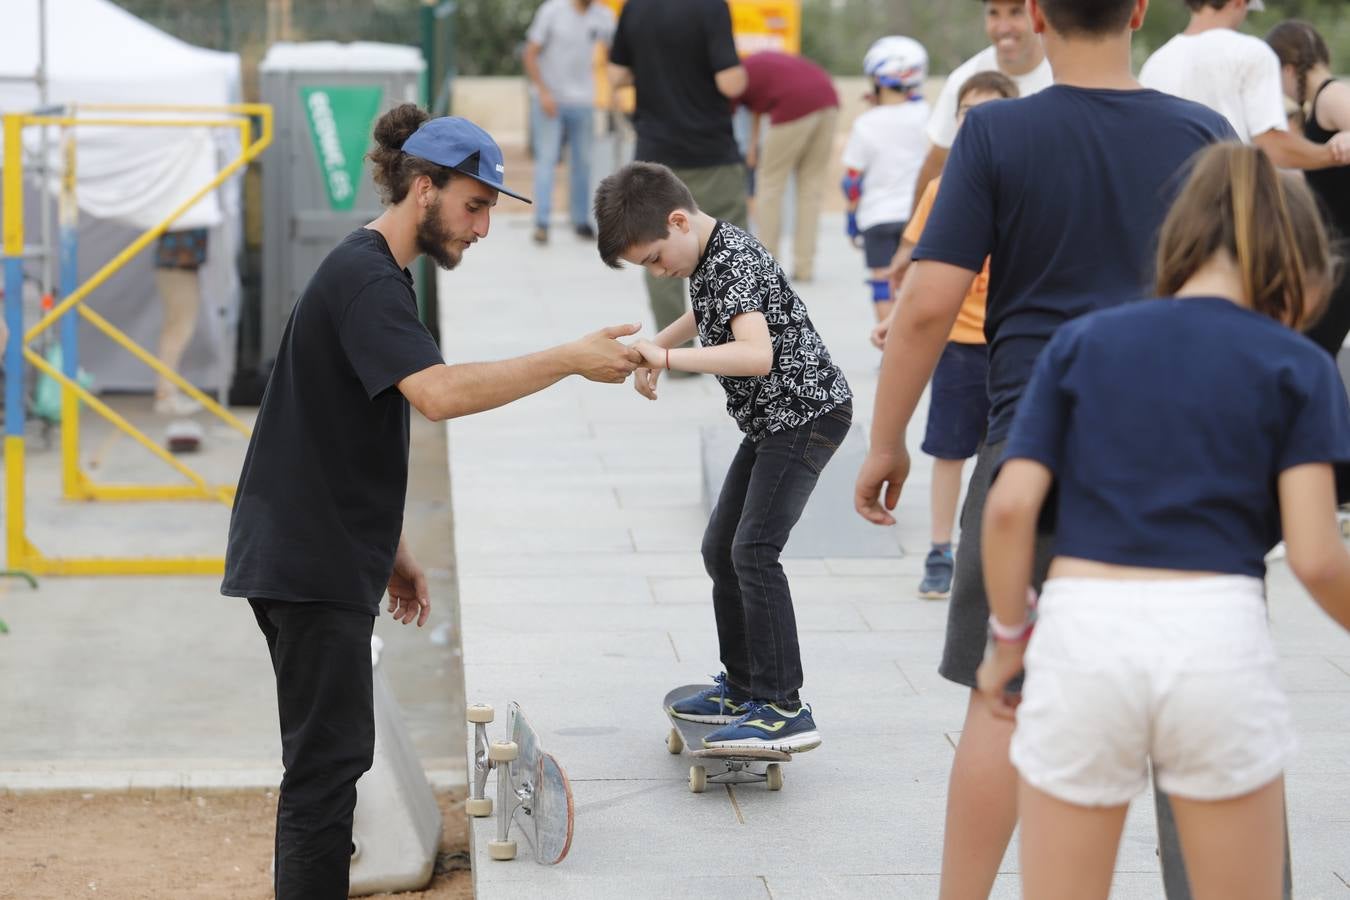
x=1065 y=190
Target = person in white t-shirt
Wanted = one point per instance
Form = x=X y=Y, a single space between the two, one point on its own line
x=1239 y=76
x=883 y=155
x=1015 y=50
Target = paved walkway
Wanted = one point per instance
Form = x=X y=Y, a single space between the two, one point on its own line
x=160 y=682
x=578 y=514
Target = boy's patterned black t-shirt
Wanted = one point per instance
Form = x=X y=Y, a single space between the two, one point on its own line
x=737 y=275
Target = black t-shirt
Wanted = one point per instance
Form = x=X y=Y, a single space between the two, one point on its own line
x=1065 y=191
x=319 y=508
x=1333 y=184
x=736 y=275
x=674 y=50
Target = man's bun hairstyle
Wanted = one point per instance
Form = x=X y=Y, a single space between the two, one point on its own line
x=394 y=170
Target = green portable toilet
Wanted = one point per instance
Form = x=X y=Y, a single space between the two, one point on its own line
x=316 y=181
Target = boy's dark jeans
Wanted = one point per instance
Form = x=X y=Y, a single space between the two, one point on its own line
x=763 y=496
x=321 y=657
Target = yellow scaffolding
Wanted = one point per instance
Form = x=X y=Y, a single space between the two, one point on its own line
x=77 y=485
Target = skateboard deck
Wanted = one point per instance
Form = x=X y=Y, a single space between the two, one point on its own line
x=532 y=789
x=719 y=765
x=545 y=792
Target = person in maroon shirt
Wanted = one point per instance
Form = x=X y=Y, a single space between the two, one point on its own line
x=800 y=101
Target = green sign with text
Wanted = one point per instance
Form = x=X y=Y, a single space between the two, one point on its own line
x=339 y=124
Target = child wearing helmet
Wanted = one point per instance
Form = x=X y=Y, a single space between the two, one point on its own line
x=882 y=159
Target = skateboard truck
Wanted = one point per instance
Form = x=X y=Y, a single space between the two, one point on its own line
x=486 y=757
x=719 y=765
x=479 y=805
x=728 y=769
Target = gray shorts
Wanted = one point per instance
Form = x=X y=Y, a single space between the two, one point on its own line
x=968 y=609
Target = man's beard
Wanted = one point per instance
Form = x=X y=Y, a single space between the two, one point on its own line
x=434 y=240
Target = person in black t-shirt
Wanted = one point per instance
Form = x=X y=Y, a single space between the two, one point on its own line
x=682 y=59
x=793 y=404
x=315 y=537
x=1064 y=192
x=1324 y=115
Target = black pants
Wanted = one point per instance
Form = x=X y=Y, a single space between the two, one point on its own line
x=763 y=496
x=321 y=657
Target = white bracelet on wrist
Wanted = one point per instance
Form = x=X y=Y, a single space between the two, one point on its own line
x=1015 y=634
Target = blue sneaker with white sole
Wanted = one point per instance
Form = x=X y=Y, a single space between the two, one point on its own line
x=714 y=705
x=766 y=726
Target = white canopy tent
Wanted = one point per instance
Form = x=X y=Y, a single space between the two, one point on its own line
x=129 y=179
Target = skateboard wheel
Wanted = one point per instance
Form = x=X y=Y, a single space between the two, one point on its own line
x=502 y=850
x=675 y=743
x=503 y=751
x=480 y=713
x=478 y=807
x=698 y=779
x=773 y=777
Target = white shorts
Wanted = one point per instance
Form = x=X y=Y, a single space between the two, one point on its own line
x=1180 y=672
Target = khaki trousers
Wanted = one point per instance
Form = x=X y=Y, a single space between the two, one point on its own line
x=801 y=147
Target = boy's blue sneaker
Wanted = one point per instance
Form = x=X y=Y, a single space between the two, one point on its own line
x=937 y=575
x=764 y=726
x=714 y=705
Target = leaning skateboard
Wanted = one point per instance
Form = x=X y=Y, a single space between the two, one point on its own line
x=720 y=765
x=529 y=783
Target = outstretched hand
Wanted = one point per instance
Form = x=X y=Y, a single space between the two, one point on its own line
x=600 y=357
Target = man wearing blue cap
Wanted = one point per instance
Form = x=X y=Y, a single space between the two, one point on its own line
x=316 y=533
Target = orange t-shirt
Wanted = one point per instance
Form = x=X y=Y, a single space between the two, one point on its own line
x=969 y=327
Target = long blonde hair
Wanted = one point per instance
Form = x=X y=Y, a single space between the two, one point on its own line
x=1235 y=200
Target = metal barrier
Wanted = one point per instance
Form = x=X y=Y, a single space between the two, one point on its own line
x=77 y=485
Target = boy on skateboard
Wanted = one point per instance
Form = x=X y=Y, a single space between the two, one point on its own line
x=788 y=397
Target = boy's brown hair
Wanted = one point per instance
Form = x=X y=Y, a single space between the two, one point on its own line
x=1235 y=200
x=991 y=82
x=633 y=206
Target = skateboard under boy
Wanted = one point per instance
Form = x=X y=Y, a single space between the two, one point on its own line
x=720 y=765
x=529 y=783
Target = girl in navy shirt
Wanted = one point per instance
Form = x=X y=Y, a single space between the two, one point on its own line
x=1181 y=438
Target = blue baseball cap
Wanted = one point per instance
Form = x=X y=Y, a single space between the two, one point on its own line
x=458 y=144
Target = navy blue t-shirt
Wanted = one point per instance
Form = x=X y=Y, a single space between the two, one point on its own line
x=1167 y=423
x=1066 y=190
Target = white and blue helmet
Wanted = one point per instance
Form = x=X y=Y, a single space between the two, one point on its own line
x=897 y=62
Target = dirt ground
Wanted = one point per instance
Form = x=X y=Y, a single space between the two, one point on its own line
x=167 y=844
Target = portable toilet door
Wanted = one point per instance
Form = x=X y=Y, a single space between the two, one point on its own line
x=316 y=179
